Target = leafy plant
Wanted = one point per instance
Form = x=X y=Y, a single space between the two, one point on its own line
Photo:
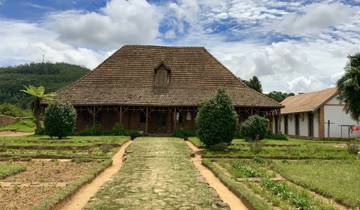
x=60 y=120
x=216 y=120
x=134 y=134
x=185 y=134
x=349 y=86
x=38 y=94
x=119 y=129
x=254 y=128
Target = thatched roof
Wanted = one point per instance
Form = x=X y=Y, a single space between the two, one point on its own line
x=307 y=102
x=127 y=78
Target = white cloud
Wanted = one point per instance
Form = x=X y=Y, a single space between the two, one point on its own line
x=315 y=18
x=24 y=42
x=119 y=22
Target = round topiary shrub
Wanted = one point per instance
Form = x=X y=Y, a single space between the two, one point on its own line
x=60 y=120
x=254 y=128
x=216 y=120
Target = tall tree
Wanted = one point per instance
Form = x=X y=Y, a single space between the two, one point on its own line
x=349 y=87
x=279 y=96
x=254 y=83
x=38 y=94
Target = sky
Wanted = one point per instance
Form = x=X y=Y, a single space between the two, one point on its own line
x=292 y=46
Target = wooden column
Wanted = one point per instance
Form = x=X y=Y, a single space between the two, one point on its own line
x=146 y=120
x=174 y=120
x=321 y=123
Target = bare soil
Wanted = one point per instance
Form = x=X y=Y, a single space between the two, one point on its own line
x=41 y=179
x=14 y=133
x=83 y=195
x=225 y=194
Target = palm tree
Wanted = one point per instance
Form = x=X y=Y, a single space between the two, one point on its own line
x=349 y=87
x=38 y=93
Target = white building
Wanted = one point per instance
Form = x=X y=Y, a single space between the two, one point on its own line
x=315 y=115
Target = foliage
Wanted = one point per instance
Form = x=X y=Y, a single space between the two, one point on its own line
x=349 y=87
x=60 y=120
x=332 y=178
x=256 y=146
x=12 y=110
x=119 y=129
x=254 y=83
x=352 y=147
x=216 y=120
x=276 y=136
x=25 y=125
x=254 y=128
x=185 y=134
x=52 y=76
x=134 y=134
x=279 y=96
x=38 y=94
x=10 y=169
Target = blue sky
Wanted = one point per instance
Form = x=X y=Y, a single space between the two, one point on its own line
x=293 y=46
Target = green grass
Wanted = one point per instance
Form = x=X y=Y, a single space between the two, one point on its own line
x=10 y=169
x=245 y=168
x=280 y=149
x=88 y=147
x=26 y=125
x=337 y=179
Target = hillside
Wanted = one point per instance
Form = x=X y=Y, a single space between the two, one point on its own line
x=52 y=76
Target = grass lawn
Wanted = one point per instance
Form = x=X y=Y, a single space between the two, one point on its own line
x=280 y=149
x=337 y=179
x=26 y=125
x=10 y=169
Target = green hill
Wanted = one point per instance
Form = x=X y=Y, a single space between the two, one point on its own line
x=52 y=76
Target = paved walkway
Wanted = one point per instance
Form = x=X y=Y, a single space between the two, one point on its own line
x=158 y=174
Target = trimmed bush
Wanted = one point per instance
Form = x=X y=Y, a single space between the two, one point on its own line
x=254 y=128
x=276 y=136
x=216 y=120
x=134 y=134
x=119 y=129
x=60 y=120
x=184 y=134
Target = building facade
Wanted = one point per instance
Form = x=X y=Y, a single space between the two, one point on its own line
x=158 y=89
x=315 y=115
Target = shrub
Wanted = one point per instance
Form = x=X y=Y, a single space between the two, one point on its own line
x=352 y=148
x=11 y=110
x=59 y=120
x=134 y=134
x=185 y=134
x=276 y=136
x=119 y=129
x=254 y=128
x=216 y=120
x=40 y=131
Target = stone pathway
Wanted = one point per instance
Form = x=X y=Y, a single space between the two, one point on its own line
x=158 y=174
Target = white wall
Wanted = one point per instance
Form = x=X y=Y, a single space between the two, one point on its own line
x=333 y=111
x=291 y=124
x=316 y=123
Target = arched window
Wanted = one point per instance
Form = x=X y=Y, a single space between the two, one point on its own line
x=162 y=78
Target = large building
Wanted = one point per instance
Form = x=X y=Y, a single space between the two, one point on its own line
x=158 y=89
x=315 y=115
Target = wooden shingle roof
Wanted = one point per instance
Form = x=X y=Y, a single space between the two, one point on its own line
x=127 y=76
x=307 y=102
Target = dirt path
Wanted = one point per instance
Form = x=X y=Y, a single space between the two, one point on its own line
x=14 y=133
x=83 y=195
x=225 y=194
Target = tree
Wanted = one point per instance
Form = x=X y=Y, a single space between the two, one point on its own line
x=254 y=83
x=60 y=120
x=38 y=94
x=279 y=96
x=349 y=87
x=216 y=120
x=254 y=128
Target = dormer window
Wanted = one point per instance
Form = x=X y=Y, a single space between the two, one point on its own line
x=161 y=78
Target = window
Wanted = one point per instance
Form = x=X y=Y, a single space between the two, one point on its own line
x=162 y=78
